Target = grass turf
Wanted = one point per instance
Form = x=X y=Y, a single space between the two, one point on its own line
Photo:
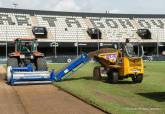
x=124 y=97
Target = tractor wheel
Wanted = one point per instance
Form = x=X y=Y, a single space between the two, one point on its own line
x=97 y=73
x=113 y=76
x=12 y=62
x=41 y=64
x=137 y=79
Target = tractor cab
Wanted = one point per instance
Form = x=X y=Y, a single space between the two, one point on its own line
x=26 y=46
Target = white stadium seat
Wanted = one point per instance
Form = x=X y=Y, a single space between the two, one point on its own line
x=64 y=28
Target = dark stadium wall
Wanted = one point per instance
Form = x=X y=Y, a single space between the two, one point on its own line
x=71 y=50
x=3 y=51
x=66 y=51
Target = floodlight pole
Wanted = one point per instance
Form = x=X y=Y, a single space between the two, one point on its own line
x=119 y=39
x=157 y=46
x=77 y=43
x=15 y=5
x=98 y=43
x=55 y=48
x=6 y=43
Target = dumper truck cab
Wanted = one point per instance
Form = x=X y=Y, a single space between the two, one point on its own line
x=26 y=52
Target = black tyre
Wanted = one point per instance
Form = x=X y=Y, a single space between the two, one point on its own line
x=137 y=78
x=41 y=64
x=12 y=62
x=97 y=73
x=113 y=76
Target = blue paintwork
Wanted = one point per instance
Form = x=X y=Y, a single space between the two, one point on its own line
x=28 y=68
x=82 y=59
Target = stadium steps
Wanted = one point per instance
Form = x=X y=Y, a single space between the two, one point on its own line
x=88 y=23
x=104 y=35
x=30 y=34
x=50 y=35
x=34 y=21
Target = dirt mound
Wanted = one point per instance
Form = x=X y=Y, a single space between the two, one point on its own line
x=102 y=50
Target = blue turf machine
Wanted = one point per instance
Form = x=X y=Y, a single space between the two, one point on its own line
x=26 y=75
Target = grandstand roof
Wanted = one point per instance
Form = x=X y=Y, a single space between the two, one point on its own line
x=61 y=13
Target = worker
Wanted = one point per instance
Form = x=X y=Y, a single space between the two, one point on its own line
x=26 y=48
x=129 y=48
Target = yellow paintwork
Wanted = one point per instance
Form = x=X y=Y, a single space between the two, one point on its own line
x=125 y=65
x=131 y=66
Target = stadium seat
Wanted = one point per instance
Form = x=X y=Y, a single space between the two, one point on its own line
x=65 y=28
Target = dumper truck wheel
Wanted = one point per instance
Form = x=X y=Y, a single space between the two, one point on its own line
x=12 y=62
x=113 y=76
x=137 y=78
x=97 y=73
x=41 y=64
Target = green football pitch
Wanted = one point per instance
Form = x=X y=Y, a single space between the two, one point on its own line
x=122 y=98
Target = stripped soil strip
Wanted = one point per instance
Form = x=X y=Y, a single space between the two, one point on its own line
x=39 y=99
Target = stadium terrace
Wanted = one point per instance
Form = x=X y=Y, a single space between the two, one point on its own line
x=70 y=32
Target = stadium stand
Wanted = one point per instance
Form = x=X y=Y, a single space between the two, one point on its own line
x=68 y=29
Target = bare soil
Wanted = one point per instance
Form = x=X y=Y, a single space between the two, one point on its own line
x=39 y=99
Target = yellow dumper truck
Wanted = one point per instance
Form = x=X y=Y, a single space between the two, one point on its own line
x=120 y=63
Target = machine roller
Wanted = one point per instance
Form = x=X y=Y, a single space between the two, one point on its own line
x=27 y=74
